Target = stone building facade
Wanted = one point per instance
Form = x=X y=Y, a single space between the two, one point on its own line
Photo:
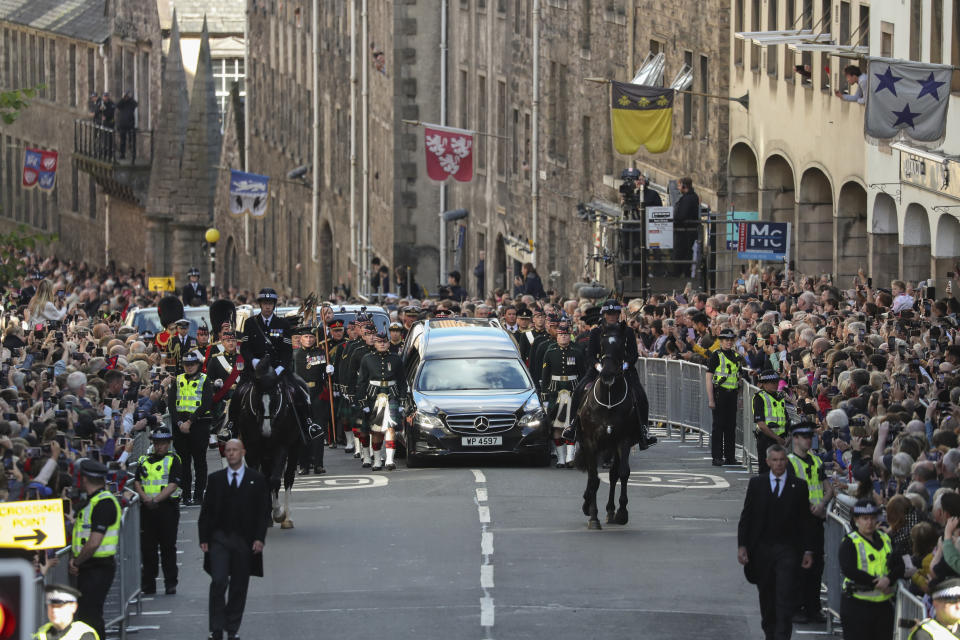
x=488 y=89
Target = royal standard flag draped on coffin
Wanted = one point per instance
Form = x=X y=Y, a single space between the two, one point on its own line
x=641 y=116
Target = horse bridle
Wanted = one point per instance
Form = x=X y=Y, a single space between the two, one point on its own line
x=626 y=389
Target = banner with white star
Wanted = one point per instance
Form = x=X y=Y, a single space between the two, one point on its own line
x=906 y=96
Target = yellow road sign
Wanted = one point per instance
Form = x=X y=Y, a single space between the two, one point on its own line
x=163 y=283
x=32 y=524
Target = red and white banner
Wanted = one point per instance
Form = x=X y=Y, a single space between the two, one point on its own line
x=449 y=153
x=39 y=169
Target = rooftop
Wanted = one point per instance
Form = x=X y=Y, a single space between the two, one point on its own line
x=223 y=16
x=78 y=19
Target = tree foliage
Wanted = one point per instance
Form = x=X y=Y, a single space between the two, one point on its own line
x=13 y=245
x=14 y=101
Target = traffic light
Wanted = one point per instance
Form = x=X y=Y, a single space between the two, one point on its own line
x=17 y=594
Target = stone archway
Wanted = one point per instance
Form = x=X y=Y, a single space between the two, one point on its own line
x=850 y=233
x=743 y=181
x=815 y=223
x=946 y=250
x=883 y=239
x=777 y=195
x=915 y=244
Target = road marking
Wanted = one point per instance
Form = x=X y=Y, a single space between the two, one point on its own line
x=156 y=613
x=338 y=483
x=487 y=607
x=674 y=480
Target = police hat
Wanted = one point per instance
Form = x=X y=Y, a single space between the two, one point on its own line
x=61 y=594
x=161 y=433
x=193 y=272
x=727 y=334
x=948 y=589
x=865 y=508
x=92 y=468
x=563 y=327
x=611 y=306
x=267 y=295
x=769 y=375
x=804 y=427
x=182 y=322
x=396 y=325
x=191 y=357
x=525 y=313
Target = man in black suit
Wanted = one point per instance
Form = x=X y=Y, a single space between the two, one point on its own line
x=193 y=293
x=774 y=532
x=233 y=525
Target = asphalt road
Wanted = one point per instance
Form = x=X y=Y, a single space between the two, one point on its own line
x=482 y=550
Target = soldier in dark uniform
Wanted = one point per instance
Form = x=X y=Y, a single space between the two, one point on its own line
x=223 y=369
x=310 y=363
x=345 y=411
x=396 y=337
x=181 y=343
x=723 y=389
x=335 y=343
x=563 y=365
x=540 y=345
x=589 y=320
x=269 y=336
x=531 y=326
x=383 y=386
x=611 y=323
x=354 y=394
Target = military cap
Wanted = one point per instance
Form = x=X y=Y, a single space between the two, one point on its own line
x=411 y=311
x=228 y=333
x=525 y=313
x=396 y=325
x=92 y=468
x=302 y=329
x=267 y=295
x=553 y=318
x=369 y=329
x=182 y=322
x=203 y=329
x=727 y=334
x=161 y=433
x=336 y=323
x=60 y=594
x=382 y=336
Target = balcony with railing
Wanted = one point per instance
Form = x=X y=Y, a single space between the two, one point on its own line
x=118 y=160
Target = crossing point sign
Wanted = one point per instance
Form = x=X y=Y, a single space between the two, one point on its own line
x=32 y=524
x=163 y=283
x=762 y=240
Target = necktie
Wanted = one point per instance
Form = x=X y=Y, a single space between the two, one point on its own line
x=776 y=488
x=233 y=480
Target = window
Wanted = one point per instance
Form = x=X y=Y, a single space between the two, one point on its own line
x=738 y=27
x=32 y=61
x=864 y=26
x=226 y=71
x=52 y=70
x=91 y=74
x=655 y=47
x=773 y=9
x=704 y=105
x=755 y=49
x=789 y=22
x=586 y=9
x=688 y=99
x=502 y=129
x=42 y=66
x=936 y=31
x=526 y=144
x=844 y=22
x=481 y=5
x=463 y=100
x=481 y=123
x=517 y=17
x=586 y=157
x=8 y=81
x=955 y=47
x=916 y=27
x=75 y=183
x=515 y=142
x=92 y=197
x=886 y=39
x=807 y=14
x=72 y=75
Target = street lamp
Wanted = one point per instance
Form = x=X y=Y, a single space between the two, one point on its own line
x=212 y=236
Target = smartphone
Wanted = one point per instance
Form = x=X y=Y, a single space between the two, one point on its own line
x=122 y=442
x=61 y=293
x=891 y=343
x=870 y=282
x=10 y=416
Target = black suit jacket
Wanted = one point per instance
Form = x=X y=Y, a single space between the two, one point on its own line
x=253 y=521
x=187 y=294
x=253 y=343
x=790 y=513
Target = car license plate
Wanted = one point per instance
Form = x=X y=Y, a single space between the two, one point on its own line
x=482 y=441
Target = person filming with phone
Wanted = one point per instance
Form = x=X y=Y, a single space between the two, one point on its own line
x=46 y=306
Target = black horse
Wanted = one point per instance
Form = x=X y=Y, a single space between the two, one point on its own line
x=609 y=427
x=264 y=418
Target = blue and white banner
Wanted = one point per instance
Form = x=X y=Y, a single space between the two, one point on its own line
x=907 y=96
x=764 y=240
x=248 y=193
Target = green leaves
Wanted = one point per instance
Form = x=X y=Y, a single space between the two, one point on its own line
x=14 y=101
x=12 y=247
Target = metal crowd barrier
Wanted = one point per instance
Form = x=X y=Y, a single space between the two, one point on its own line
x=910 y=611
x=836 y=528
x=125 y=589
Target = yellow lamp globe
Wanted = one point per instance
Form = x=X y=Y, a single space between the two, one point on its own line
x=212 y=236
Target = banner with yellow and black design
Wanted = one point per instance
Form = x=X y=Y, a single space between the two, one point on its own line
x=641 y=116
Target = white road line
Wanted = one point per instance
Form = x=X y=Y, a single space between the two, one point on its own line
x=478 y=475
x=481 y=494
x=486 y=576
x=484 y=513
x=486 y=543
x=156 y=613
x=486 y=612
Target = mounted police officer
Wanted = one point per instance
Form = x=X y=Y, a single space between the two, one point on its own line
x=96 y=534
x=157 y=483
x=562 y=366
x=268 y=336
x=770 y=416
x=723 y=387
x=61 y=607
x=808 y=467
x=612 y=328
x=310 y=363
x=190 y=399
x=382 y=385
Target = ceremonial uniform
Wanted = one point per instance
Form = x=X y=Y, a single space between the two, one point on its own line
x=541 y=344
x=346 y=411
x=159 y=514
x=355 y=395
x=562 y=367
x=525 y=341
x=382 y=386
x=311 y=365
x=335 y=346
x=101 y=514
x=190 y=398
x=724 y=369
